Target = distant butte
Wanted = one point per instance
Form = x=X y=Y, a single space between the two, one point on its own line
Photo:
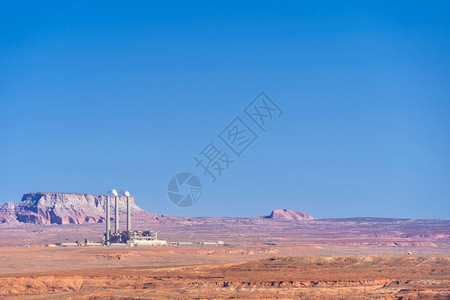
x=77 y=208
x=64 y=208
x=287 y=214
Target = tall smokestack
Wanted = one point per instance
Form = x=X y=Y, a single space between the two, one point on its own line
x=128 y=211
x=114 y=192
x=108 y=219
x=117 y=214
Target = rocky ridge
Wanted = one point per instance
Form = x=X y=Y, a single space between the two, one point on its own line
x=8 y=213
x=288 y=215
x=65 y=208
x=77 y=208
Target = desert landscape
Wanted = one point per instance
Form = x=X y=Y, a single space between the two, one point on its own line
x=284 y=255
x=202 y=274
x=224 y=150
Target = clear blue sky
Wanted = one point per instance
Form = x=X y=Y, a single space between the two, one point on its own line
x=106 y=95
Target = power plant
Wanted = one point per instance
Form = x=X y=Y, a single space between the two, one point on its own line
x=113 y=237
x=129 y=237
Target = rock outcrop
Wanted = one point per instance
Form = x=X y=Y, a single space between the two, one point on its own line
x=66 y=208
x=8 y=213
x=288 y=215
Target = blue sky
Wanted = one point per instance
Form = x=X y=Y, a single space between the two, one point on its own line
x=112 y=95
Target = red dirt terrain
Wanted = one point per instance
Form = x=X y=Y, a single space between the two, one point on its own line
x=362 y=258
x=285 y=255
x=123 y=275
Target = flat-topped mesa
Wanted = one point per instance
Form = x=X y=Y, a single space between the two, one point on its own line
x=66 y=208
x=287 y=214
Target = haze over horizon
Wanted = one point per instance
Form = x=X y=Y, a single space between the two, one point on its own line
x=125 y=96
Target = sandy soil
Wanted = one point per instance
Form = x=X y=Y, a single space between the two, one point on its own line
x=322 y=259
x=199 y=273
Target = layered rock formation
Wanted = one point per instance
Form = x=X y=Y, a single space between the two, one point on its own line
x=65 y=208
x=8 y=213
x=288 y=215
x=75 y=208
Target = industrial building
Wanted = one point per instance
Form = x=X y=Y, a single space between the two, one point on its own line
x=129 y=237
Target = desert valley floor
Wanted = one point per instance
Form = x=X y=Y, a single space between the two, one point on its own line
x=361 y=258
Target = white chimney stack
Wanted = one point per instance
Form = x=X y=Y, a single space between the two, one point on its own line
x=116 y=195
x=108 y=219
x=117 y=213
x=108 y=214
x=127 y=194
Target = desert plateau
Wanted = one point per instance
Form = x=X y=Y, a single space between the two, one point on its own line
x=284 y=255
x=225 y=150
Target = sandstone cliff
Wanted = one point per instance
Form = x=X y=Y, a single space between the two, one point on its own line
x=288 y=215
x=65 y=208
x=8 y=213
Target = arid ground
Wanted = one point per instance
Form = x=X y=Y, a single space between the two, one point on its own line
x=264 y=259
